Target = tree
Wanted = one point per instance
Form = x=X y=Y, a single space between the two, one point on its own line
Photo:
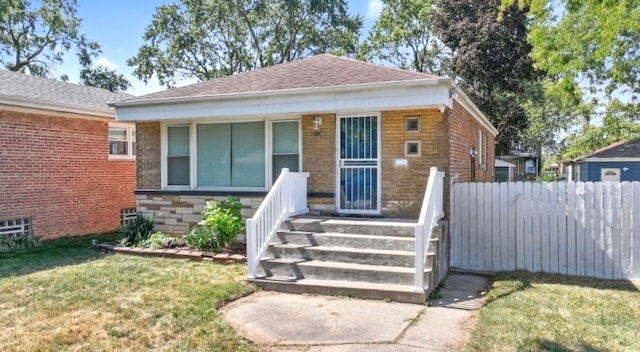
x=34 y=39
x=204 y=39
x=619 y=123
x=490 y=60
x=592 y=41
x=100 y=76
x=404 y=36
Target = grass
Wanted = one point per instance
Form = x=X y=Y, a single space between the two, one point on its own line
x=64 y=296
x=529 y=312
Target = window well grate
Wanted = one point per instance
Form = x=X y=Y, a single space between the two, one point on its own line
x=127 y=215
x=15 y=227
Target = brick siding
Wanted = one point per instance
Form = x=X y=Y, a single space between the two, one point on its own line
x=55 y=170
x=464 y=136
x=148 y=155
x=403 y=186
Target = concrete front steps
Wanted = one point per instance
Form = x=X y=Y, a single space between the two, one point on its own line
x=365 y=258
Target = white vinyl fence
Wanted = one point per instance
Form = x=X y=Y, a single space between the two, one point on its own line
x=574 y=228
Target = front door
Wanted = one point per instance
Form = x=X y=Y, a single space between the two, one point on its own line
x=358 y=174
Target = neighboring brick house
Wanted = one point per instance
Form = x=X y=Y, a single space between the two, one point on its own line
x=367 y=135
x=66 y=167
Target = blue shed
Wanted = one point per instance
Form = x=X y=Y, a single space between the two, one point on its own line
x=617 y=162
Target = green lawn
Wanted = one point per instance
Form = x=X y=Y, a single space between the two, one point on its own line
x=64 y=296
x=528 y=312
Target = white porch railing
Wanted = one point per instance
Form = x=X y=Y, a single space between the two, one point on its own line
x=287 y=197
x=430 y=213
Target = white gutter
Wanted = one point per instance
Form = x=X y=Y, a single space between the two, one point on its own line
x=299 y=91
x=47 y=105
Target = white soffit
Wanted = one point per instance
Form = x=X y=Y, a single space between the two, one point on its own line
x=335 y=99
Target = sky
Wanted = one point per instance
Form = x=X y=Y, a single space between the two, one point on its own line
x=118 y=26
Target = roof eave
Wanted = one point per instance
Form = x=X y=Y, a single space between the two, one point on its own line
x=302 y=91
x=46 y=105
x=464 y=98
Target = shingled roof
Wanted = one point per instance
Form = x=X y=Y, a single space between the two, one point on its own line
x=319 y=71
x=629 y=149
x=20 y=87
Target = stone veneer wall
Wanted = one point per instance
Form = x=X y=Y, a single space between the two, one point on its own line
x=174 y=214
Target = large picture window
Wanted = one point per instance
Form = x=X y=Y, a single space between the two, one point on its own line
x=231 y=154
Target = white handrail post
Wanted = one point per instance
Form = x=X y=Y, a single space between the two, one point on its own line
x=286 y=193
x=419 y=278
x=252 y=239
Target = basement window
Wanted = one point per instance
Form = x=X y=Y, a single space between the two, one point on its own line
x=127 y=215
x=16 y=227
x=412 y=148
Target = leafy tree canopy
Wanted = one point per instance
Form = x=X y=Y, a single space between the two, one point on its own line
x=594 y=41
x=619 y=123
x=204 y=39
x=403 y=35
x=34 y=39
x=491 y=60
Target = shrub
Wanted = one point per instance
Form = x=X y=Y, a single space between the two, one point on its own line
x=12 y=243
x=219 y=226
x=156 y=240
x=137 y=230
x=202 y=238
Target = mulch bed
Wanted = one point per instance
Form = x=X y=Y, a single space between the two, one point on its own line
x=236 y=253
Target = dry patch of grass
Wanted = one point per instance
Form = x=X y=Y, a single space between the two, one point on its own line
x=93 y=302
x=529 y=312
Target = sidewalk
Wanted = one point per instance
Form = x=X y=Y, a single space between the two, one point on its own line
x=295 y=323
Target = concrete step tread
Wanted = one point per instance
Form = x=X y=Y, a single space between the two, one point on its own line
x=354 y=266
x=349 y=235
x=340 y=284
x=356 y=221
x=348 y=249
x=271 y=259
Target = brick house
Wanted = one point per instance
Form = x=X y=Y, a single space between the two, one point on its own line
x=366 y=134
x=67 y=168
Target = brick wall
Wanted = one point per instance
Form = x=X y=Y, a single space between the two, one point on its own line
x=55 y=170
x=403 y=186
x=148 y=155
x=464 y=136
x=319 y=160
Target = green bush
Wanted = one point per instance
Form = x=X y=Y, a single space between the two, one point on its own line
x=137 y=230
x=11 y=243
x=219 y=226
x=155 y=240
x=202 y=238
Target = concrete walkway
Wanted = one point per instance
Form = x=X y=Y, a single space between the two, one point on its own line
x=295 y=323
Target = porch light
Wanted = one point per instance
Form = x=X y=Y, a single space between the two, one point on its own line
x=473 y=152
x=317 y=122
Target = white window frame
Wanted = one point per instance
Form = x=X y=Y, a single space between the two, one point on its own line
x=480 y=149
x=406 y=124
x=269 y=133
x=193 y=154
x=406 y=148
x=130 y=130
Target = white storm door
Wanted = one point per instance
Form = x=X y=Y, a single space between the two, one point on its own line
x=358 y=169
